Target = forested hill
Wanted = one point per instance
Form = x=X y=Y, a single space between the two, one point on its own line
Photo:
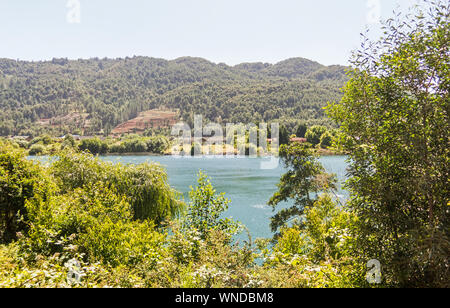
x=98 y=94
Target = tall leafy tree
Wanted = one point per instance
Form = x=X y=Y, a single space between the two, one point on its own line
x=395 y=117
x=304 y=181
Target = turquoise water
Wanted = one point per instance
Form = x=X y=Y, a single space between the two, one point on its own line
x=245 y=184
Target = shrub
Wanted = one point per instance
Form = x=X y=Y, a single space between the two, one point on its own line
x=146 y=185
x=135 y=146
x=69 y=142
x=96 y=224
x=326 y=140
x=158 y=145
x=291 y=241
x=314 y=133
x=123 y=243
x=44 y=139
x=206 y=207
x=22 y=143
x=93 y=146
x=117 y=148
x=20 y=180
x=70 y=214
x=37 y=149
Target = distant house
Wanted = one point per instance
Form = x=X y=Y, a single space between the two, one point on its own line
x=298 y=140
x=27 y=138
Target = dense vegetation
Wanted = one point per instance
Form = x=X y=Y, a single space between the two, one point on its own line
x=93 y=96
x=395 y=119
x=46 y=145
x=116 y=226
x=80 y=222
x=325 y=140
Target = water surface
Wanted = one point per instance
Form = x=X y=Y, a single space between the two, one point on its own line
x=244 y=182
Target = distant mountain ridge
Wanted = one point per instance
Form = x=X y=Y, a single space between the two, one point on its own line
x=113 y=91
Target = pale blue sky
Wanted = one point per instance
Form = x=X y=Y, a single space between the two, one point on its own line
x=230 y=31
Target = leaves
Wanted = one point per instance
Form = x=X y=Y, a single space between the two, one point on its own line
x=394 y=115
x=206 y=208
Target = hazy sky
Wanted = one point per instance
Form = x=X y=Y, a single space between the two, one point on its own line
x=230 y=31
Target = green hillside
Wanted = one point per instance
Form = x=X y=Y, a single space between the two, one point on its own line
x=96 y=95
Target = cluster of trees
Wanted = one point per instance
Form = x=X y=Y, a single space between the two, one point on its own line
x=321 y=136
x=156 y=145
x=95 y=95
x=28 y=190
x=124 y=226
x=47 y=145
x=255 y=101
x=394 y=124
x=317 y=135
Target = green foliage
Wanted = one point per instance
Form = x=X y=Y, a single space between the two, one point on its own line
x=135 y=146
x=123 y=243
x=301 y=130
x=37 y=149
x=93 y=96
x=90 y=223
x=145 y=185
x=6 y=128
x=93 y=146
x=291 y=241
x=315 y=133
x=158 y=144
x=93 y=224
x=206 y=208
x=284 y=135
x=147 y=188
x=316 y=252
x=72 y=215
x=69 y=140
x=109 y=218
x=20 y=180
x=43 y=139
x=394 y=116
x=326 y=140
x=117 y=148
x=128 y=144
x=303 y=181
x=328 y=229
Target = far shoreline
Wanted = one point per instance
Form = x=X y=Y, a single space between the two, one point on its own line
x=142 y=154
